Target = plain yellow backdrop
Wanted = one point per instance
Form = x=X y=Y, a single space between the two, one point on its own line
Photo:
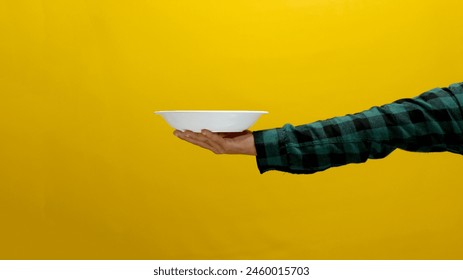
x=88 y=172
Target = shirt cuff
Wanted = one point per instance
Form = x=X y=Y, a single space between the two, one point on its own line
x=271 y=150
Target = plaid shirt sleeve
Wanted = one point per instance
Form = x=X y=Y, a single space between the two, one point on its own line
x=430 y=122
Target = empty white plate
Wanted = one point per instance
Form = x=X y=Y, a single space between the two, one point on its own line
x=215 y=121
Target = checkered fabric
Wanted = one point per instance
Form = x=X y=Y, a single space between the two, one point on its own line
x=430 y=122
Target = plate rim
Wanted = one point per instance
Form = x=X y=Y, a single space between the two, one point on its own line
x=210 y=111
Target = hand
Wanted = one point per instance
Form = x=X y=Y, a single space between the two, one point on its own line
x=221 y=143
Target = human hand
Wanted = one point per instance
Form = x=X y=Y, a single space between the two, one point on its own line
x=221 y=143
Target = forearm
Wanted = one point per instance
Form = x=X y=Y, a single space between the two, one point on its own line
x=429 y=122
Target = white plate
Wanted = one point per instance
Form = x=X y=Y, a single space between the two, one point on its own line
x=215 y=121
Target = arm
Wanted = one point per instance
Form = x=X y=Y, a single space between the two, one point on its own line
x=430 y=122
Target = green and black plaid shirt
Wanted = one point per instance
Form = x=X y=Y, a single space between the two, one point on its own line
x=430 y=122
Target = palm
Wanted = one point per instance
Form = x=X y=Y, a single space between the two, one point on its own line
x=221 y=142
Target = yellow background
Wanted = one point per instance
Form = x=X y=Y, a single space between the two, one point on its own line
x=88 y=172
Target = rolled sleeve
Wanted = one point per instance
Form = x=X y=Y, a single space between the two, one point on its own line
x=271 y=150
